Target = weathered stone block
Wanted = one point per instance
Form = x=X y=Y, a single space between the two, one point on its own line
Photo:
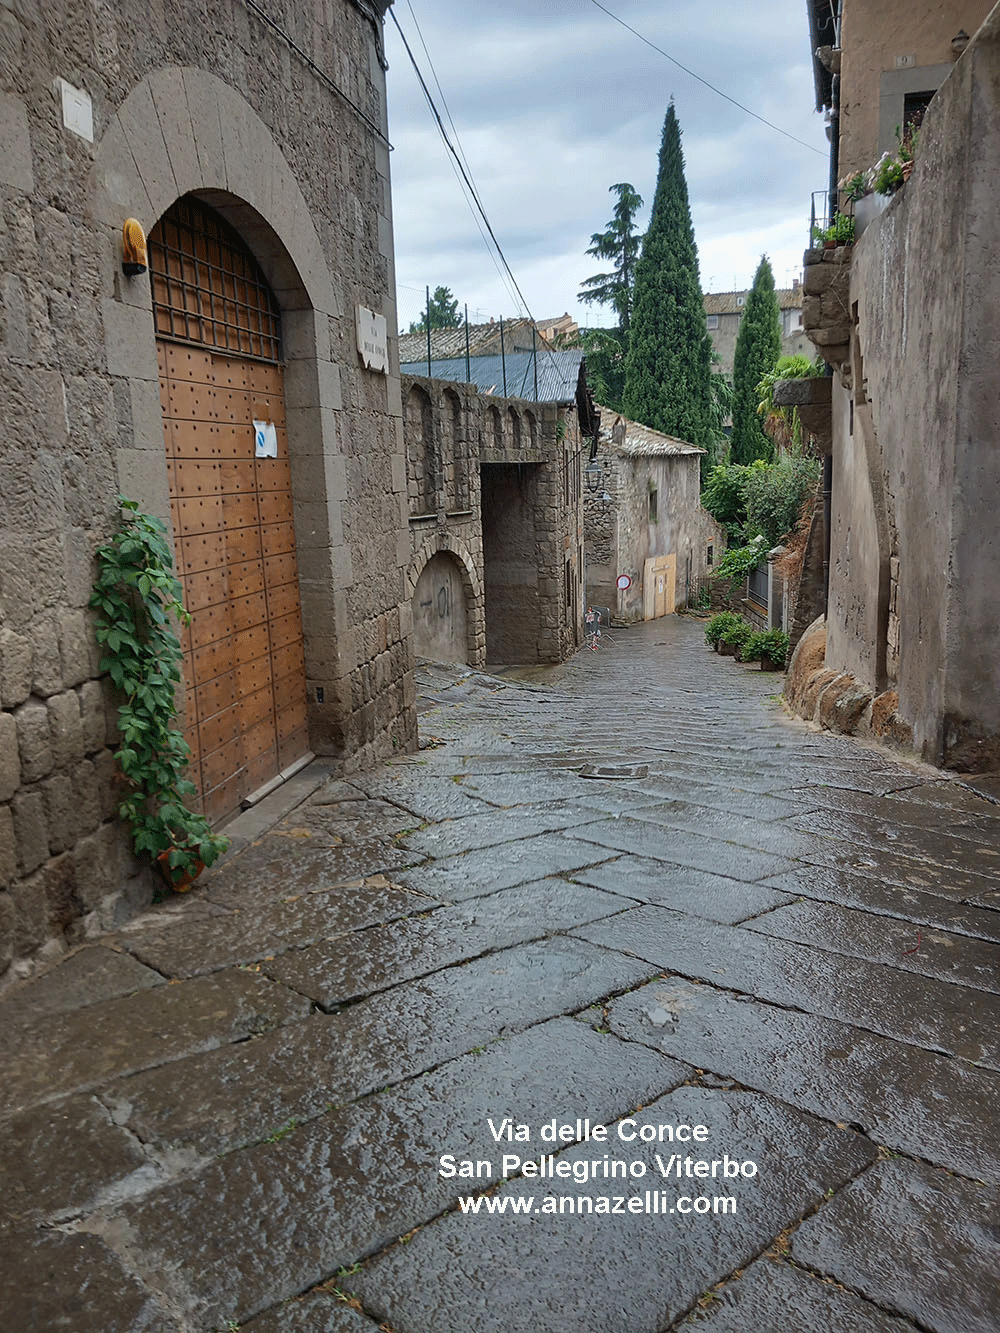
x=15 y=668
x=65 y=729
x=102 y=862
x=46 y=662
x=8 y=846
x=88 y=798
x=8 y=923
x=105 y=776
x=33 y=741
x=59 y=800
x=10 y=762
x=31 y=834
x=76 y=647
x=92 y=720
x=15 y=145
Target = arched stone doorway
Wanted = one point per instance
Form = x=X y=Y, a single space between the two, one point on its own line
x=218 y=339
x=440 y=614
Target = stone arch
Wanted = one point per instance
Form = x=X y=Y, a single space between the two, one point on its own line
x=532 y=423
x=515 y=428
x=448 y=544
x=183 y=131
x=421 y=455
x=496 y=427
x=455 y=451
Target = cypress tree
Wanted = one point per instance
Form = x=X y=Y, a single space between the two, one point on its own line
x=758 y=347
x=668 y=370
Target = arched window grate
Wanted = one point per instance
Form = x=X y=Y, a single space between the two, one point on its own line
x=207 y=287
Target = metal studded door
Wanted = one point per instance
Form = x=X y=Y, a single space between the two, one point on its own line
x=230 y=489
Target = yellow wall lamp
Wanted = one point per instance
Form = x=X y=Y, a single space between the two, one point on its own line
x=134 y=259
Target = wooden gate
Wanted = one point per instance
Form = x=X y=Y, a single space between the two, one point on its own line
x=221 y=387
x=659 y=581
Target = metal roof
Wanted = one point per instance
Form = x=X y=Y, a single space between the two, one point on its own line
x=558 y=374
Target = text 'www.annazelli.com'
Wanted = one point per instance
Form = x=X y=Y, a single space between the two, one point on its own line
x=597 y=1205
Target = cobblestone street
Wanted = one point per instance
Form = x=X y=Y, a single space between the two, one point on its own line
x=627 y=893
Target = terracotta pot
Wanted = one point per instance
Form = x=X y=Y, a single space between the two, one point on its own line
x=186 y=879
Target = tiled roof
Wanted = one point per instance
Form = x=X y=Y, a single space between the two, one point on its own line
x=640 y=441
x=728 y=303
x=483 y=338
x=558 y=373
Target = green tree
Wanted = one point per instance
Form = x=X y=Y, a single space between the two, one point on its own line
x=442 y=310
x=668 y=369
x=758 y=346
x=620 y=244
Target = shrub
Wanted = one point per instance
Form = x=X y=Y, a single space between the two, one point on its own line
x=772 y=643
x=720 y=625
x=775 y=496
x=739 y=561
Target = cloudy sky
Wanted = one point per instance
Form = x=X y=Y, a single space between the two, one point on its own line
x=553 y=102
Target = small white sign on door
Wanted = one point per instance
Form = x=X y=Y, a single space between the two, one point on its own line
x=265 y=439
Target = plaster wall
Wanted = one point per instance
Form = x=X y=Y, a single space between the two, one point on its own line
x=915 y=510
x=178 y=98
x=891 y=49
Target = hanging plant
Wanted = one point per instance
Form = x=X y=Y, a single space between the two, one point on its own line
x=136 y=596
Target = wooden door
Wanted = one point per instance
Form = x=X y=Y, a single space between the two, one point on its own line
x=659 y=585
x=244 y=665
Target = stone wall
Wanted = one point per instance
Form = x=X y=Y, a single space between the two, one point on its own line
x=915 y=564
x=494 y=485
x=117 y=112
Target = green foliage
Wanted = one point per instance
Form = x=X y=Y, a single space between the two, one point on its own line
x=772 y=643
x=619 y=244
x=135 y=596
x=725 y=497
x=668 y=369
x=782 y=424
x=720 y=625
x=605 y=349
x=441 y=312
x=775 y=496
x=855 y=187
x=739 y=561
x=758 y=347
x=840 y=231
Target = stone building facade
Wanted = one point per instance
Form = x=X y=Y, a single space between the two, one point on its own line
x=907 y=320
x=644 y=519
x=252 y=149
x=724 y=313
x=496 y=525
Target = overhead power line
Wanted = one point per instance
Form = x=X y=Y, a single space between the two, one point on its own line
x=718 y=91
x=473 y=193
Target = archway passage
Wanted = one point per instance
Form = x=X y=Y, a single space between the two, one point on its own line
x=221 y=389
x=440 y=615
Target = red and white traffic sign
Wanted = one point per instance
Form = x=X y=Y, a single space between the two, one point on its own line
x=623 y=582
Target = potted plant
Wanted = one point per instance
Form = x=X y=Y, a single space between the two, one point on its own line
x=720 y=625
x=770 y=648
x=135 y=597
x=839 y=232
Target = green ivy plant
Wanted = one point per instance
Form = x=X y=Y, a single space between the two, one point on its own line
x=739 y=561
x=136 y=596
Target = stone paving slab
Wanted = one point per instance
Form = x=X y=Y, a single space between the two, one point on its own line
x=317 y=1313
x=277 y=866
x=508 y=790
x=372 y=960
x=246 y=1092
x=178 y=947
x=685 y=890
x=92 y=974
x=934 y=1107
x=725 y=826
x=80 y=1050
x=882 y=939
x=59 y=1159
x=933 y=847
x=921 y=1011
x=681 y=847
x=848 y=889
x=423 y=794
x=484 y=871
x=638 y=1272
x=278 y=1218
x=52 y=1281
x=771 y=1295
x=359 y=819
x=451 y=837
x=963 y=816
x=915 y=1239
x=719 y=796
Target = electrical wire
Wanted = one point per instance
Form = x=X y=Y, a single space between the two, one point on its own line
x=469 y=183
x=659 y=49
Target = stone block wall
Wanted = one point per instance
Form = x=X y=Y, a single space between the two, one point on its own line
x=495 y=484
x=168 y=99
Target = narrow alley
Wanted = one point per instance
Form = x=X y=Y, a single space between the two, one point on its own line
x=627 y=1004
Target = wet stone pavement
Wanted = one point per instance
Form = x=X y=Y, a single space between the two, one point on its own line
x=627 y=1004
